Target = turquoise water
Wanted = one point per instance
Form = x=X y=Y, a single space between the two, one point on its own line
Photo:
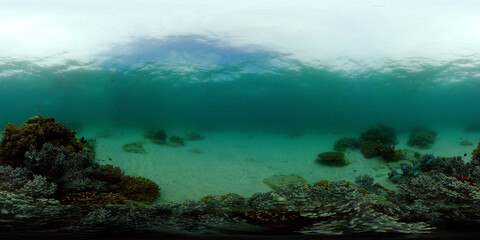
x=202 y=83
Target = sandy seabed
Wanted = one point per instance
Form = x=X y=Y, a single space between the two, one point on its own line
x=237 y=162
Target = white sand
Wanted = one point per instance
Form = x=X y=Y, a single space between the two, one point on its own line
x=238 y=162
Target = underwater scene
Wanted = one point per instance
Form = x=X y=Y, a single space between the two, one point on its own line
x=239 y=119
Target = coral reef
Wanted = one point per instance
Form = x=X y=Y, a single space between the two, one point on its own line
x=135 y=147
x=380 y=134
x=421 y=138
x=60 y=166
x=345 y=143
x=175 y=141
x=157 y=137
x=476 y=151
x=323 y=183
x=375 y=149
x=36 y=131
x=364 y=181
x=138 y=189
x=89 y=198
x=54 y=189
x=289 y=181
x=332 y=159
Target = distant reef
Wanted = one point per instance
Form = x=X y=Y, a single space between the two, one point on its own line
x=58 y=188
x=377 y=141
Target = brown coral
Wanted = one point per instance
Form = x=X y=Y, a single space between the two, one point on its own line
x=476 y=151
x=138 y=189
x=35 y=131
x=323 y=183
x=88 y=198
x=113 y=174
x=272 y=218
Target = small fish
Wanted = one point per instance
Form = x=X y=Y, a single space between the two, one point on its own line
x=110 y=159
x=416 y=173
x=429 y=161
x=465 y=154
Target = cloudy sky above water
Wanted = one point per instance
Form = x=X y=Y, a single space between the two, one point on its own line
x=306 y=29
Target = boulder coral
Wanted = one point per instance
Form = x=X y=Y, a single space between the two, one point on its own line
x=421 y=138
x=380 y=133
x=332 y=159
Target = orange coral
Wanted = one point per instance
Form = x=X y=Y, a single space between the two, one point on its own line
x=35 y=131
x=138 y=189
x=323 y=183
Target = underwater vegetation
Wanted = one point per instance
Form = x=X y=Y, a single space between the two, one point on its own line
x=332 y=159
x=421 y=138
